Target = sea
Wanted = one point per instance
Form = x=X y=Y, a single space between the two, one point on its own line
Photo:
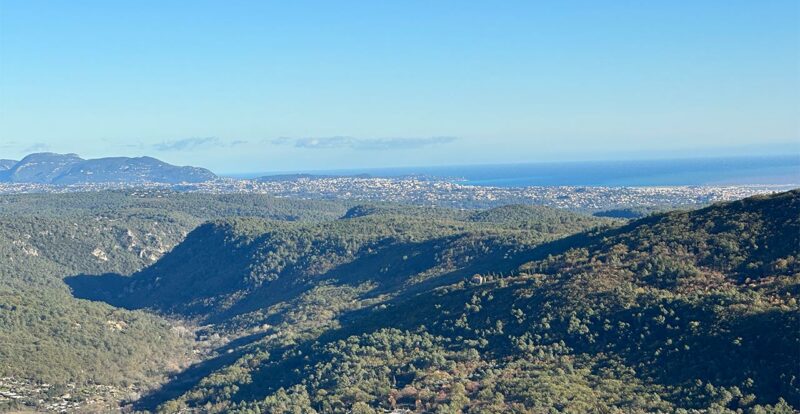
x=764 y=170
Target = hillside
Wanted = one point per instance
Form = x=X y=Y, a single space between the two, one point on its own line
x=64 y=169
x=231 y=267
x=48 y=335
x=41 y=167
x=201 y=207
x=106 y=353
x=6 y=164
x=275 y=305
x=678 y=311
x=47 y=237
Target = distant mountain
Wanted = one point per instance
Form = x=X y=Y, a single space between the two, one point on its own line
x=123 y=169
x=51 y=168
x=6 y=164
x=40 y=168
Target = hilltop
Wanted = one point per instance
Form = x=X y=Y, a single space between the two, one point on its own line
x=65 y=169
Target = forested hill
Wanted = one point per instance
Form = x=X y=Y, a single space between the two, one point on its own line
x=234 y=266
x=284 y=305
x=51 y=168
x=679 y=311
x=48 y=336
x=6 y=164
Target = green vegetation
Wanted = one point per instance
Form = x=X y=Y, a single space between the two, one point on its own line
x=200 y=207
x=676 y=312
x=336 y=308
x=49 y=336
x=230 y=267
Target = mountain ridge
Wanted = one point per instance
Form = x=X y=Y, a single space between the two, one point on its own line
x=6 y=164
x=66 y=169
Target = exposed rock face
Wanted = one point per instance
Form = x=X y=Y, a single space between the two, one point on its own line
x=100 y=254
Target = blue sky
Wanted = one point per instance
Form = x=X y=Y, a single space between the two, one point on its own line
x=242 y=86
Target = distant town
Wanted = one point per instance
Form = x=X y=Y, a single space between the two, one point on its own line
x=430 y=191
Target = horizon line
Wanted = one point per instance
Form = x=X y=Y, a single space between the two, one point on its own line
x=352 y=170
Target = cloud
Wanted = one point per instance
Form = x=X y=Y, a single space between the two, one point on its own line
x=37 y=147
x=138 y=146
x=374 y=144
x=188 y=144
x=279 y=141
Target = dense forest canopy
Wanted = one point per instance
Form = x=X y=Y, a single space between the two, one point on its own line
x=47 y=334
x=213 y=303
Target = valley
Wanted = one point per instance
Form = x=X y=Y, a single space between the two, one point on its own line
x=248 y=303
x=416 y=207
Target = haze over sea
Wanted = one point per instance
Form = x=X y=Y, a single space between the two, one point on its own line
x=779 y=170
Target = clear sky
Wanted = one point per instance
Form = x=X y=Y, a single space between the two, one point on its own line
x=242 y=86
